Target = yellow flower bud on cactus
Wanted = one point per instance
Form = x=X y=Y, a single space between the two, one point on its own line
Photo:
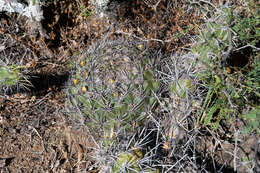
x=111 y=81
x=84 y=89
x=82 y=63
x=115 y=95
x=140 y=46
x=75 y=81
x=137 y=152
x=86 y=73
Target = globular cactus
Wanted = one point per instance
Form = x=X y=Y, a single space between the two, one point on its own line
x=11 y=76
x=128 y=161
x=110 y=90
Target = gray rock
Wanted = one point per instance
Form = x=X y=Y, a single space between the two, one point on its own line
x=31 y=9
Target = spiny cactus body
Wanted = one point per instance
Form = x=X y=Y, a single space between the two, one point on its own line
x=110 y=90
x=110 y=87
x=11 y=76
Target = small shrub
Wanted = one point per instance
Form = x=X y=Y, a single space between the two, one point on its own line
x=221 y=36
x=252 y=119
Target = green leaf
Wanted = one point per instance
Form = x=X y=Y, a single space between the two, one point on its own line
x=212 y=110
x=255 y=124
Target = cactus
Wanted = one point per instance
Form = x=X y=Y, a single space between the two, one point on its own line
x=110 y=90
x=128 y=162
x=11 y=76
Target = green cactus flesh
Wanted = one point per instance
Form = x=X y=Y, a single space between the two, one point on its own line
x=9 y=76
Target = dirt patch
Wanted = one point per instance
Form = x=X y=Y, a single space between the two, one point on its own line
x=35 y=135
x=221 y=153
x=164 y=25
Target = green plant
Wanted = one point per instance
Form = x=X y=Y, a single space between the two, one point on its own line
x=112 y=91
x=84 y=11
x=247 y=25
x=11 y=75
x=252 y=119
x=108 y=108
x=128 y=162
x=226 y=91
x=252 y=83
x=211 y=42
x=215 y=104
